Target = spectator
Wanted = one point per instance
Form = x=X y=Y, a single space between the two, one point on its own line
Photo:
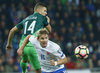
x=90 y=6
x=68 y=50
x=70 y=64
x=2 y=69
x=9 y=67
x=94 y=58
x=80 y=64
x=90 y=63
x=16 y=69
x=99 y=63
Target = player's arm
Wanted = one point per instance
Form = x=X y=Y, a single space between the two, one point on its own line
x=48 y=27
x=10 y=37
x=61 y=56
x=61 y=61
x=11 y=34
x=20 y=50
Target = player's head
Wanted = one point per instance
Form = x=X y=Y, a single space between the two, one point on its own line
x=43 y=36
x=41 y=8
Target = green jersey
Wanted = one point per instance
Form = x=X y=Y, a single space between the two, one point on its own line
x=31 y=24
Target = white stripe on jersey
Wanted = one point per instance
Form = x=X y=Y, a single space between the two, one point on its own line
x=51 y=52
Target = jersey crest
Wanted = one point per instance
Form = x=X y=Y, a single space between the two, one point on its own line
x=48 y=53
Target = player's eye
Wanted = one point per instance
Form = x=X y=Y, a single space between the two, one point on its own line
x=42 y=38
x=46 y=37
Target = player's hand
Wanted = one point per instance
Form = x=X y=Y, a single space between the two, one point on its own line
x=20 y=52
x=52 y=62
x=8 y=47
x=48 y=19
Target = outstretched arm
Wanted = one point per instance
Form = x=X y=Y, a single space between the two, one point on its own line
x=61 y=61
x=59 y=54
x=10 y=37
x=20 y=50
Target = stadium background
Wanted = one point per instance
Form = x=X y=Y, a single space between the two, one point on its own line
x=74 y=22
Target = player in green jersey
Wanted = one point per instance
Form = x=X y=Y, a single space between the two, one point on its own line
x=31 y=25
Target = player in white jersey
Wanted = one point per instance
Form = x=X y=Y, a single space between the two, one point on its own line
x=51 y=58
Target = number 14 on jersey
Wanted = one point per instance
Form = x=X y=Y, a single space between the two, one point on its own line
x=30 y=28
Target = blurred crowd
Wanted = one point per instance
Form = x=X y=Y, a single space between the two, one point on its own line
x=74 y=22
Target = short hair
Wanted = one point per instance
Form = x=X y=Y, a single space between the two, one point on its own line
x=38 y=5
x=42 y=31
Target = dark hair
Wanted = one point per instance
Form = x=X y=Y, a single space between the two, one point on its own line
x=38 y=5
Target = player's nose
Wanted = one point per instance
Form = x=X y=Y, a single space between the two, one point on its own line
x=45 y=40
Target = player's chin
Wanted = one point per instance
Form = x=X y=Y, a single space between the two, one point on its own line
x=44 y=45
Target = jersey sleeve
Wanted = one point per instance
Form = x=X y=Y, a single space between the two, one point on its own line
x=45 y=22
x=58 y=53
x=33 y=40
x=20 y=25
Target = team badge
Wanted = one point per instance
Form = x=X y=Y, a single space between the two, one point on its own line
x=48 y=53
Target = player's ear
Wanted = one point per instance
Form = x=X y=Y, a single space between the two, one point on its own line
x=38 y=10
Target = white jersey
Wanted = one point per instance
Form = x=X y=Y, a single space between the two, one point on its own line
x=51 y=52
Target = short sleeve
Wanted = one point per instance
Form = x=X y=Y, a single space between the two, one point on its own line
x=20 y=25
x=58 y=53
x=33 y=40
x=45 y=21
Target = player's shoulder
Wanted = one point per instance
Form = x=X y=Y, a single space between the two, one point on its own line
x=54 y=45
x=32 y=37
x=40 y=15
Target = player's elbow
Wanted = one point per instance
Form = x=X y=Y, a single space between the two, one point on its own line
x=65 y=60
x=12 y=31
x=50 y=30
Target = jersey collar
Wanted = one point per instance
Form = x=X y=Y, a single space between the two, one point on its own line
x=47 y=44
x=35 y=12
x=38 y=13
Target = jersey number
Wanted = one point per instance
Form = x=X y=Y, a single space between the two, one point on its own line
x=42 y=57
x=30 y=28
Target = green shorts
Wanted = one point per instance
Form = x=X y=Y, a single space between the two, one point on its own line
x=31 y=55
